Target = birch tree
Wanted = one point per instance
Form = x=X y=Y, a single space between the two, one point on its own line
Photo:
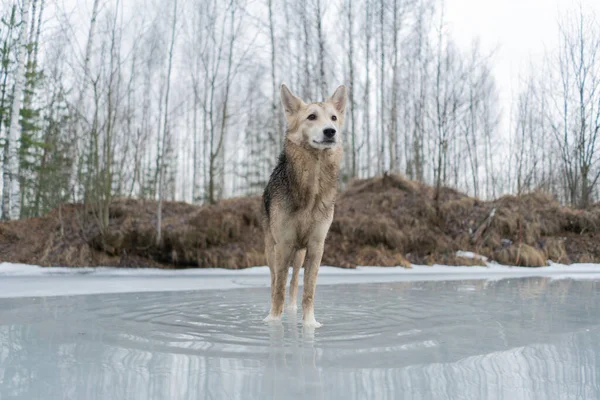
x=78 y=127
x=352 y=120
x=367 y=94
x=321 y=44
x=11 y=195
x=165 y=130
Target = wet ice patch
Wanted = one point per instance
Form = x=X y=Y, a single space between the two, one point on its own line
x=531 y=337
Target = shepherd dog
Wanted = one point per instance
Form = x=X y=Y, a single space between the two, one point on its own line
x=299 y=199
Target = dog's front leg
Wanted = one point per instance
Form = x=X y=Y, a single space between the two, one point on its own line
x=311 y=270
x=283 y=255
x=298 y=261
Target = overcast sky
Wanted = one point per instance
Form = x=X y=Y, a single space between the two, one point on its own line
x=519 y=30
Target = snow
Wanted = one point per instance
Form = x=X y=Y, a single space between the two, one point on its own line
x=20 y=280
x=470 y=254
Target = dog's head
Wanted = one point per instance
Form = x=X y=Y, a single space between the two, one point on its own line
x=316 y=124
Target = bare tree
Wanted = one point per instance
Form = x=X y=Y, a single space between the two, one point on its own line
x=576 y=99
x=420 y=99
x=78 y=128
x=274 y=86
x=11 y=195
x=393 y=133
x=382 y=86
x=218 y=129
x=367 y=95
x=165 y=130
x=352 y=125
x=450 y=74
x=321 y=44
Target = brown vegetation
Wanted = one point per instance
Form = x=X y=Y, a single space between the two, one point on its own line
x=386 y=221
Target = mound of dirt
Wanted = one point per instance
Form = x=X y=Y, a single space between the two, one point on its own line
x=386 y=220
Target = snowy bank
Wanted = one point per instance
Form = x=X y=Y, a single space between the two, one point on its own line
x=20 y=280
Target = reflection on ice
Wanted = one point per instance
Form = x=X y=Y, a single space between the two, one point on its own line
x=520 y=338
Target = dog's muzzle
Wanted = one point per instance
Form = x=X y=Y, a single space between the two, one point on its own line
x=328 y=138
x=329 y=133
x=326 y=142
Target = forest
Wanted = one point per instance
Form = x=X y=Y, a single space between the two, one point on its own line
x=179 y=101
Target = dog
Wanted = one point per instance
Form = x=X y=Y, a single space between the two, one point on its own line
x=298 y=201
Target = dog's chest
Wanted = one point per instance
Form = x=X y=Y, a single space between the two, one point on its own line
x=314 y=213
x=312 y=224
x=310 y=197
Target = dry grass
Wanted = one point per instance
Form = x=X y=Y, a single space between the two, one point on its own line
x=453 y=259
x=554 y=249
x=368 y=255
x=522 y=255
x=387 y=220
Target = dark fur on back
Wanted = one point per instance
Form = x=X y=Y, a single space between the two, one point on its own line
x=280 y=182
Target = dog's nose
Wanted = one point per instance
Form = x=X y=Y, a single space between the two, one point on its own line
x=329 y=133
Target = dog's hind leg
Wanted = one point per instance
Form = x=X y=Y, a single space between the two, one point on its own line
x=311 y=270
x=298 y=261
x=283 y=257
x=270 y=256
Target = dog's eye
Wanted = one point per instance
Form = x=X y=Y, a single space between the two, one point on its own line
x=333 y=118
x=312 y=117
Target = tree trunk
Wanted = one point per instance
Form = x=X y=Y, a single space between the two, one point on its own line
x=307 y=86
x=382 y=85
x=77 y=128
x=225 y=115
x=161 y=171
x=277 y=121
x=321 y=40
x=353 y=168
x=393 y=134
x=367 y=110
x=11 y=196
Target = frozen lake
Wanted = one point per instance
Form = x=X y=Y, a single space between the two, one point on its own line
x=412 y=337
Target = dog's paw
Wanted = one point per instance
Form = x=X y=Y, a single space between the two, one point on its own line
x=291 y=308
x=272 y=318
x=311 y=323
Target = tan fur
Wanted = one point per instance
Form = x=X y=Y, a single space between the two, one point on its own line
x=296 y=234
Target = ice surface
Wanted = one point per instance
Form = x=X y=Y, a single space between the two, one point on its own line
x=493 y=338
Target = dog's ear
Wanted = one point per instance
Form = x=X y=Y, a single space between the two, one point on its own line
x=291 y=103
x=338 y=99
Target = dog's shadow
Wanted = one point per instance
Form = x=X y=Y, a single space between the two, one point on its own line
x=292 y=368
